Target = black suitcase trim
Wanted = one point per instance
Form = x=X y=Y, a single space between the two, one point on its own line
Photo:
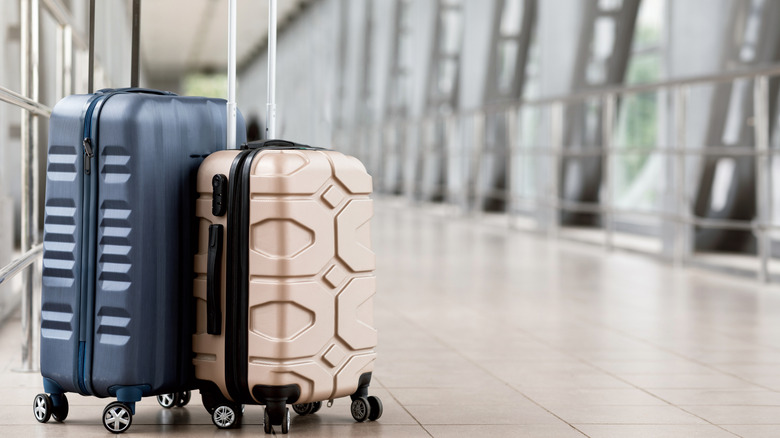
x=237 y=281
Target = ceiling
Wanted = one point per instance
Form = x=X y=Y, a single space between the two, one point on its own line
x=181 y=36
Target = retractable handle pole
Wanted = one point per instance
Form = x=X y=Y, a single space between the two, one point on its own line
x=270 y=123
x=231 y=102
x=135 y=49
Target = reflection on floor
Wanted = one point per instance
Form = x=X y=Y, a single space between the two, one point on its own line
x=485 y=332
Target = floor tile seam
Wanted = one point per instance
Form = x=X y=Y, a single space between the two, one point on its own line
x=679 y=355
x=490 y=373
x=542 y=235
x=730 y=405
x=583 y=360
x=751 y=424
x=389 y=391
x=662 y=425
x=758 y=344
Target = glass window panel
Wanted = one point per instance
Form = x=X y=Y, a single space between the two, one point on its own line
x=735 y=118
x=610 y=5
x=721 y=183
x=644 y=68
x=451 y=31
x=507 y=64
x=447 y=71
x=604 y=37
x=512 y=17
x=596 y=72
x=649 y=26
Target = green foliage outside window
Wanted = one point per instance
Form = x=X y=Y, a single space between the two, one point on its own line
x=206 y=85
x=638 y=121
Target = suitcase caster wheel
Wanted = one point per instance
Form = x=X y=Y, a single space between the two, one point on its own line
x=317 y=407
x=117 y=417
x=42 y=408
x=286 y=422
x=182 y=398
x=303 y=408
x=224 y=416
x=376 y=408
x=360 y=409
x=267 y=427
x=60 y=412
x=167 y=400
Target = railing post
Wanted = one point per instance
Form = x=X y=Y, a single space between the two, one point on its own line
x=67 y=49
x=556 y=153
x=475 y=203
x=29 y=20
x=681 y=215
x=763 y=183
x=608 y=124
x=513 y=140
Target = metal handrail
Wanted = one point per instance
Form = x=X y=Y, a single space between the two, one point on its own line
x=26 y=103
x=18 y=264
x=27 y=100
x=599 y=92
x=68 y=38
x=712 y=79
x=548 y=203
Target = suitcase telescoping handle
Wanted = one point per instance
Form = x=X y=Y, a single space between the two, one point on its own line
x=270 y=122
x=231 y=100
x=135 y=45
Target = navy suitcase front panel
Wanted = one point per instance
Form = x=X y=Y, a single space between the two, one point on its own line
x=148 y=152
x=62 y=235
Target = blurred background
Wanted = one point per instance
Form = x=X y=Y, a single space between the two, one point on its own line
x=644 y=125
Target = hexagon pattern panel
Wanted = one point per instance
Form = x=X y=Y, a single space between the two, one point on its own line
x=311 y=274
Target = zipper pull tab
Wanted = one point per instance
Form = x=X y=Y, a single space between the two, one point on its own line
x=88 y=154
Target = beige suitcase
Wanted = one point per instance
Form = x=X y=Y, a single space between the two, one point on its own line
x=284 y=282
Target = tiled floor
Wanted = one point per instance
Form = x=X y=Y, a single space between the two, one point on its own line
x=484 y=332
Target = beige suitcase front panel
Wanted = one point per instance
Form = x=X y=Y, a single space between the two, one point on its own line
x=311 y=273
x=209 y=350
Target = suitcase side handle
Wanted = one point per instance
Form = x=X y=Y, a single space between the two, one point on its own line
x=213 y=281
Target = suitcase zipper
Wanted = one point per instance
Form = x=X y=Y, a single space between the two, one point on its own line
x=88 y=154
x=86 y=208
x=237 y=253
x=88 y=256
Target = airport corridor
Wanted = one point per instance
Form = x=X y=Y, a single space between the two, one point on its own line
x=497 y=333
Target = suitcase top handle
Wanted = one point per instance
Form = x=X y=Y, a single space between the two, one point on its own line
x=279 y=145
x=135 y=90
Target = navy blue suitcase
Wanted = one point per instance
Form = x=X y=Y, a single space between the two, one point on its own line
x=119 y=238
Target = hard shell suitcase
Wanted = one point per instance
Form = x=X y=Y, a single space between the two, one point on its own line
x=285 y=277
x=116 y=318
x=285 y=282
